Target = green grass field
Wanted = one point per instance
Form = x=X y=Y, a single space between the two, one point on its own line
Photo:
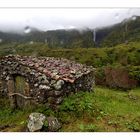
x=104 y=110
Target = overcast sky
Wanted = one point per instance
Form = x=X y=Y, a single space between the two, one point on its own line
x=49 y=19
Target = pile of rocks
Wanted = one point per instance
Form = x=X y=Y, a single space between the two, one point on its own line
x=38 y=122
x=49 y=79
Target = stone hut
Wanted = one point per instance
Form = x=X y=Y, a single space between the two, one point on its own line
x=27 y=80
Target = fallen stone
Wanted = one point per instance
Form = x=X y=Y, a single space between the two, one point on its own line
x=53 y=124
x=35 y=122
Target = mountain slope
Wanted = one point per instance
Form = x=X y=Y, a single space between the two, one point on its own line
x=54 y=38
x=124 y=32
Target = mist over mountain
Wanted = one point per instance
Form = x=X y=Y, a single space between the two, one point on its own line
x=127 y=30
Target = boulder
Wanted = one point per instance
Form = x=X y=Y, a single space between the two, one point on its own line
x=38 y=122
x=35 y=122
x=53 y=124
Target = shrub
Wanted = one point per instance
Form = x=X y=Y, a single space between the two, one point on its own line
x=79 y=103
x=134 y=72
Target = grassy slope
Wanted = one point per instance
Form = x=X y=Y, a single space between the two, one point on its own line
x=104 y=110
x=115 y=111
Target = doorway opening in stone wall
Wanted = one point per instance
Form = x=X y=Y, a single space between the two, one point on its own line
x=20 y=96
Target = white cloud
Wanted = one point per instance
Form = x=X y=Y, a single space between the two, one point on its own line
x=56 y=18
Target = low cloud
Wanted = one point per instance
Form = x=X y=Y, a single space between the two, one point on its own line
x=49 y=19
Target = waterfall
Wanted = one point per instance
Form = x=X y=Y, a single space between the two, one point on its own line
x=94 y=35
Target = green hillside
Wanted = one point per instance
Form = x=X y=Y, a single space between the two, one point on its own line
x=124 y=57
x=126 y=31
x=123 y=54
x=113 y=105
x=53 y=38
x=105 y=110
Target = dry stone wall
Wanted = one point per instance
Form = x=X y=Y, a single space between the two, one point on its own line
x=46 y=79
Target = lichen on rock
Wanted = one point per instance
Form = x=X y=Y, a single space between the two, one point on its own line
x=36 y=121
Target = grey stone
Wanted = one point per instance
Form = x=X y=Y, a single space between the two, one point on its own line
x=7 y=78
x=43 y=79
x=36 y=84
x=56 y=77
x=53 y=124
x=4 y=73
x=73 y=71
x=32 y=73
x=59 y=84
x=59 y=100
x=80 y=85
x=58 y=93
x=9 y=62
x=44 y=87
x=51 y=93
x=53 y=82
x=31 y=65
x=36 y=121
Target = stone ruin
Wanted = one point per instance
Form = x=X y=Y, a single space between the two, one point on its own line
x=27 y=80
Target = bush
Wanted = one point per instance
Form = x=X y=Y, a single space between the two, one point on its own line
x=134 y=72
x=79 y=103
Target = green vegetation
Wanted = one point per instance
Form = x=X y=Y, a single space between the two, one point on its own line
x=102 y=110
x=124 y=32
x=123 y=55
x=53 y=38
x=120 y=55
x=112 y=110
